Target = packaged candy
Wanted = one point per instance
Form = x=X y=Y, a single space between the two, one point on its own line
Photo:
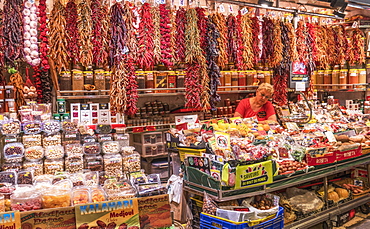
x=92 y=148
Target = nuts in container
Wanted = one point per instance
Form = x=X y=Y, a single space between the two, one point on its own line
x=17 y=159
x=34 y=153
x=131 y=163
x=113 y=165
x=36 y=166
x=54 y=152
x=74 y=164
x=25 y=177
x=91 y=178
x=52 y=140
x=11 y=127
x=12 y=166
x=51 y=166
x=77 y=179
x=91 y=148
x=13 y=150
x=51 y=126
x=32 y=140
x=110 y=147
x=71 y=138
x=32 y=127
x=94 y=163
x=69 y=126
x=8 y=177
x=98 y=195
x=73 y=150
x=128 y=150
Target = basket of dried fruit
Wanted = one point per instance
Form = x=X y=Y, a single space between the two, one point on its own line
x=356 y=189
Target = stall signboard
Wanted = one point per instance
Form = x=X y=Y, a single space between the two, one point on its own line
x=58 y=218
x=10 y=220
x=254 y=175
x=108 y=214
x=155 y=212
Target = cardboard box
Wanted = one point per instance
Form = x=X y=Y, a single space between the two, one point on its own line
x=10 y=220
x=104 y=113
x=85 y=112
x=323 y=160
x=343 y=155
x=56 y=218
x=75 y=112
x=94 y=109
x=155 y=212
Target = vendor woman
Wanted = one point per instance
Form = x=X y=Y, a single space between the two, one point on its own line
x=258 y=106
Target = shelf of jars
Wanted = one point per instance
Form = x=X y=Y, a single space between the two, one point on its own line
x=341 y=87
x=148 y=92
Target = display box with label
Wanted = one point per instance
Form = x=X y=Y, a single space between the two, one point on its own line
x=75 y=112
x=94 y=108
x=85 y=112
x=104 y=113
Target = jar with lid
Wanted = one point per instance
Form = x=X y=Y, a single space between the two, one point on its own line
x=362 y=77
x=343 y=76
x=242 y=80
x=327 y=77
x=61 y=106
x=65 y=80
x=367 y=73
x=353 y=76
x=99 y=79
x=335 y=76
x=77 y=80
x=320 y=78
x=149 y=83
x=108 y=75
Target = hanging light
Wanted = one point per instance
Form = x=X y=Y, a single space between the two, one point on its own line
x=265 y=3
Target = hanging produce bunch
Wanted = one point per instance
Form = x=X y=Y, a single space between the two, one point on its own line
x=165 y=33
x=73 y=35
x=180 y=34
x=85 y=30
x=145 y=39
x=220 y=22
x=31 y=48
x=156 y=35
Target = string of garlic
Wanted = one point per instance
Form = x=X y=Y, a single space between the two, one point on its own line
x=31 y=48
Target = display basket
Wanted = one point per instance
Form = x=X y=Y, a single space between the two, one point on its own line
x=208 y=221
x=340 y=183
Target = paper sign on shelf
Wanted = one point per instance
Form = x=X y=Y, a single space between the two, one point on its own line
x=58 y=218
x=300 y=86
x=222 y=8
x=254 y=175
x=11 y=220
x=330 y=136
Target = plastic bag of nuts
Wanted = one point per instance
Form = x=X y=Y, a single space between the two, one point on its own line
x=53 y=165
x=34 y=153
x=69 y=126
x=91 y=178
x=54 y=152
x=13 y=150
x=32 y=127
x=113 y=164
x=32 y=140
x=73 y=150
x=52 y=139
x=8 y=177
x=17 y=159
x=71 y=138
x=11 y=127
x=131 y=163
x=51 y=126
x=36 y=166
x=110 y=147
x=94 y=163
x=11 y=166
x=91 y=148
x=127 y=150
x=74 y=164
x=25 y=177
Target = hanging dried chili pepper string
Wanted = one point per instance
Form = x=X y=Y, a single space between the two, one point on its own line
x=2 y=60
x=322 y=47
x=58 y=48
x=239 y=60
x=332 y=53
x=358 y=47
x=231 y=38
x=202 y=26
x=165 y=31
x=292 y=42
x=173 y=36
x=213 y=69
x=277 y=55
x=311 y=51
x=145 y=39
x=13 y=31
x=99 y=38
x=180 y=34
x=73 y=36
x=247 y=33
x=256 y=30
x=267 y=40
x=156 y=35
x=85 y=30
x=311 y=32
x=301 y=42
x=340 y=44
x=220 y=22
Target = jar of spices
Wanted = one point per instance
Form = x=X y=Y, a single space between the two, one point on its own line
x=65 y=80
x=220 y=111
x=367 y=73
x=343 y=77
x=77 y=80
x=320 y=78
x=99 y=79
x=227 y=102
x=353 y=76
x=242 y=80
x=108 y=75
x=327 y=77
x=335 y=76
x=149 y=83
x=362 y=77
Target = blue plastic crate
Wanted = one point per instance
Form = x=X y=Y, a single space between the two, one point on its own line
x=214 y=222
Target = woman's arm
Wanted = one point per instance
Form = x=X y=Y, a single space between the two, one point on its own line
x=237 y=114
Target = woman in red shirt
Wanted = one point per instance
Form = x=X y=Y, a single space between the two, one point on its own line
x=258 y=106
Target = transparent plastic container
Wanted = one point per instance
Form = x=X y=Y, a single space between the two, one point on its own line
x=36 y=166
x=13 y=150
x=51 y=166
x=32 y=140
x=71 y=138
x=94 y=163
x=98 y=195
x=64 y=184
x=69 y=126
x=78 y=179
x=34 y=153
x=81 y=196
x=103 y=129
x=17 y=159
x=131 y=163
x=25 y=199
x=74 y=164
x=105 y=137
x=56 y=198
x=52 y=139
x=12 y=166
x=73 y=150
x=8 y=177
x=89 y=138
x=127 y=150
x=25 y=177
x=54 y=152
x=32 y=127
x=91 y=178
x=11 y=127
x=92 y=148
x=110 y=147
x=113 y=165
x=51 y=126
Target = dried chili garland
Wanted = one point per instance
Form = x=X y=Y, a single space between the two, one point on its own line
x=145 y=39
x=340 y=44
x=248 y=55
x=220 y=22
x=118 y=99
x=13 y=31
x=267 y=40
x=85 y=30
x=322 y=47
x=301 y=42
x=118 y=34
x=73 y=36
x=180 y=34
x=2 y=61
x=99 y=38
x=311 y=46
x=173 y=36
x=213 y=69
x=232 y=46
x=202 y=26
x=239 y=60
x=357 y=47
x=165 y=31
x=130 y=21
x=156 y=35
x=311 y=32
x=277 y=55
x=331 y=52
x=256 y=30
x=292 y=42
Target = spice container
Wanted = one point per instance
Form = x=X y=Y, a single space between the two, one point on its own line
x=73 y=150
x=149 y=82
x=80 y=196
x=113 y=164
x=34 y=153
x=51 y=166
x=110 y=147
x=69 y=126
x=228 y=76
x=335 y=76
x=51 y=126
x=25 y=199
x=234 y=80
x=36 y=166
x=52 y=140
x=56 y=198
x=343 y=77
x=32 y=140
x=94 y=163
x=320 y=78
x=91 y=148
x=54 y=152
x=362 y=77
x=353 y=76
x=11 y=127
x=61 y=106
x=13 y=150
x=108 y=75
x=8 y=177
x=25 y=177
x=98 y=195
x=140 y=78
x=99 y=80
x=77 y=80
x=32 y=127
x=65 y=81
x=88 y=77
x=327 y=77
x=131 y=163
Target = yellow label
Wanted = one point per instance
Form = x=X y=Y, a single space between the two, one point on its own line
x=254 y=175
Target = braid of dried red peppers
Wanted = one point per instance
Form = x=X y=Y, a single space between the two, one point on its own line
x=145 y=39
x=180 y=34
x=165 y=31
x=73 y=36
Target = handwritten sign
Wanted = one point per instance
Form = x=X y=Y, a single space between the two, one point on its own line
x=61 y=218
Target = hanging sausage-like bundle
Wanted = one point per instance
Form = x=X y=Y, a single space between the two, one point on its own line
x=100 y=27
x=311 y=50
x=173 y=36
x=301 y=42
x=12 y=31
x=277 y=55
x=165 y=31
x=213 y=69
x=17 y=81
x=267 y=40
x=145 y=38
x=202 y=26
x=31 y=47
x=340 y=44
x=118 y=99
x=332 y=52
x=220 y=22
x=130 y=21
x=195 y=63
x=73 y=36
x=2 y=61
x=256 y=30
x=156 y=35
x=58 y=48
x=180 y=34
x=322 y=47
x=232 y=46
x=85 y=30
x=292 y=42
x=239 y=60
x=247 y=33
x=311 y=32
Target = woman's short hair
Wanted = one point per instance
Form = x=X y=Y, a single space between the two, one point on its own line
x=266 y=86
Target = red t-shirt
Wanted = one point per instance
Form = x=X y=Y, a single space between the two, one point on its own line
x=244 y=108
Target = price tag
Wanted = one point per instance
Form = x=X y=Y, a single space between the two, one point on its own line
x=158 y=1
x=222 y=8
x=118 y=0
x=31 y=1
x=355 y=24
x=300 y=86
x=143 y=1
x=162 y=2
x=231 y=9
x=330 y=136
x=244 y=11
x=182 y=3
x=125 y=50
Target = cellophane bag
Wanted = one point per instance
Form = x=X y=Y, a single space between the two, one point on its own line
x=209 y=206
